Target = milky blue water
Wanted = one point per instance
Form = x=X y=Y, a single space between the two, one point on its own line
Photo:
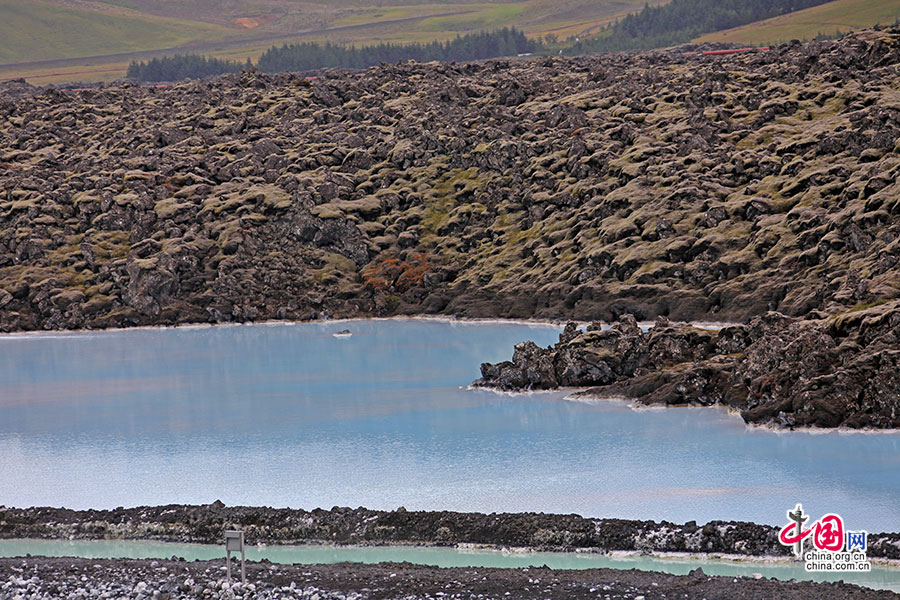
x=290 y=415
x=880 y=577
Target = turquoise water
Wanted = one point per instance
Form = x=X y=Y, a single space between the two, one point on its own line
x=880 y=577
x=290 y=415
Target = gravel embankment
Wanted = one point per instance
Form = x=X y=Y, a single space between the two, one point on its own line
x=36 y=578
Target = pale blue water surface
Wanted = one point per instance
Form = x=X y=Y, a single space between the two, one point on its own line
x=289 y=415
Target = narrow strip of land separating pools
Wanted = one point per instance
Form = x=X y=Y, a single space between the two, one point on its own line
x=884 y=575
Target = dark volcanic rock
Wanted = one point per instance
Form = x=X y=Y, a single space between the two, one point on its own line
x=181 y=523
x=647 y=183
x=836 y=372
x=599 y=356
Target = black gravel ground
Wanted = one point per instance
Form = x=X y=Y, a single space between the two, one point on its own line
x=36 y=578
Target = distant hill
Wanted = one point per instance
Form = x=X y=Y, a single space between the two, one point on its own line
x=39 y=30
x=287 y=16
x=61 y=41
x=679 y=21
x=826 y=19
x=58 y=41
x=64 y=29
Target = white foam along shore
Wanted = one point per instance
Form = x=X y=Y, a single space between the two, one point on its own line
x=584 y=397
x=74 y=333
x=719 y=557
x=514 y=393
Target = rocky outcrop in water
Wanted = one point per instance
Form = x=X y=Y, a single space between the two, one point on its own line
x=653 y=183
x=206 y=524
x=790 y=372
x=599 y=355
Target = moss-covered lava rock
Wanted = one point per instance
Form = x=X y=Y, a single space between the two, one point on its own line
x=656 y=183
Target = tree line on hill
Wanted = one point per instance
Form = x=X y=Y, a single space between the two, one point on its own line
x=676 y=22
x=680 y=21
x=472 y=46
x=310 y=56
x=182 y=66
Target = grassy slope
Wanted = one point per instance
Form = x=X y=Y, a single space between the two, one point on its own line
x=842 y=15
x=46 y=29
x=39 y=30
x=290 y=14
x=301 y=15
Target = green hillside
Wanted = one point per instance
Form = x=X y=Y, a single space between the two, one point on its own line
x=39 y=30
x=61 y=32
x=840 y=15
x=54 y=29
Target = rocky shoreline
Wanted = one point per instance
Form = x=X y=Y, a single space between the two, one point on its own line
x=776 y=370
x=656 y=184
x=538 y=531
x=35 y=578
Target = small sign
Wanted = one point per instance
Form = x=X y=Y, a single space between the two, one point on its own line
x=234 y=542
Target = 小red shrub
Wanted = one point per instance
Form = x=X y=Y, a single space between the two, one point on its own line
x=395 y=275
